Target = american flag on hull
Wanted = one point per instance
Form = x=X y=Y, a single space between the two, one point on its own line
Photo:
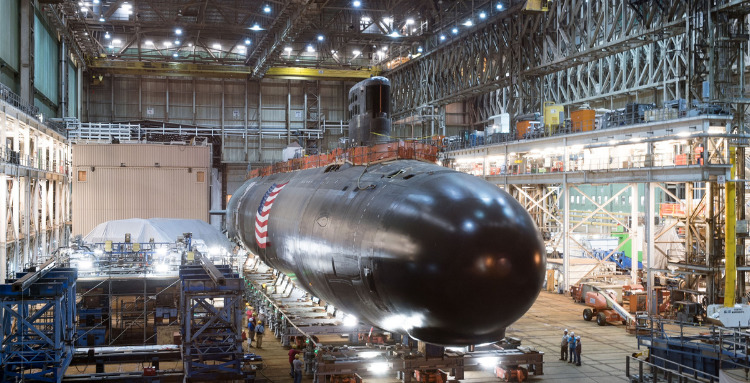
x=261 y=217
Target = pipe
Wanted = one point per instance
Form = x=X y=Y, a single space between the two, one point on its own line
x=28 y=279
x=211 y=270
x=730 y=238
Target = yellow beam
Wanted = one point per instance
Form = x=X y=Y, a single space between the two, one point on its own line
x=315 y=73
x=730 y=238
x=145 y=68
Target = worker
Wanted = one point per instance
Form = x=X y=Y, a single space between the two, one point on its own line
x=259 y=330
x=251 y=330
x=564 y=346
x=578 y=351
x=244 y=338
x=292 y=353
x=297 y=364
x=571 y=346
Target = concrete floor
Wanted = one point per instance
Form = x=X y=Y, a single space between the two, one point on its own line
x=603 y=354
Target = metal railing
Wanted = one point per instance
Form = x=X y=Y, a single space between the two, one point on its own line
x=649 y=372
x=31 y=110
x=12 y=157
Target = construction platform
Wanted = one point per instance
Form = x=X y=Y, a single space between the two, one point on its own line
x=605 y=348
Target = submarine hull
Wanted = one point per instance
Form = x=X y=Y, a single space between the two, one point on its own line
x=404 y=245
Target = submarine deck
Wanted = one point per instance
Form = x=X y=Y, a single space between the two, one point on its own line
x=603 y=356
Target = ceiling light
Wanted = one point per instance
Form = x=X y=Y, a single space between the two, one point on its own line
x=84 y=9
x=149 y=42
x=116 y=42
x=247 y=41
x=175 y=54
x=394 y=34
x=365 y=19
x=110 y=46
x=288 y=49
x=107 y=36
x=255 y=27
x=442 y=37
x=241 y=48
x=499 y=6
x=454 y=30
x=190 y=44
x=127 y=7
x=216 y=46
x=468 y=23
x=310 y=48
x=409 y=21
x=320 y=37
x=167 y=44
x=101 y=19
x=356 y=52
x=482 y=15
x=356 y=3
x=96 y=1
x=267 y=9
x=419 y=49
x=178 y=31
x=387 y=20
x=177 y=42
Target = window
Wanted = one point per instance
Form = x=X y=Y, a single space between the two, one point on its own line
x=200 y=176
x=81 y=176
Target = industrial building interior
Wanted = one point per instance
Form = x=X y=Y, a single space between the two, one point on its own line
x=374 y=190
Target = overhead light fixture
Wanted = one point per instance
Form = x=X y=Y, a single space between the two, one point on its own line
x=216 y=46
x=394 y=34
x=419 y=49
x=387 y=20
x=190 y=44
x=84 y=9
x=167 y=44
x=499 y=6
x=101 y=19
x=111 y=46
x=177 y=42
x=96 y=1
x=442 y=37
x=116 y=42
x=409 y=21
x=454 y=30
x=356 y=3
x=310 y=49
x=320 y=38
x=365 y=19
x=482 y=15
x=175 y=54
x=178 y=31
x=468 y=23
x=149 y=42
x=247 y=41
x=106 y=35
x=356 y=53
x=287 y=49
x=255 y=27
x=267 y=9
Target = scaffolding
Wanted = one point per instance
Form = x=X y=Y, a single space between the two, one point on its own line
x=211 y=321
x=38 y=328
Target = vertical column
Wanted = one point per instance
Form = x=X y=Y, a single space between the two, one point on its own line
x=649 y=250
x=635 y=243
x=42 y=231
x=730 y=234
x=566 y=233
x=15 y=199
x=3 y=227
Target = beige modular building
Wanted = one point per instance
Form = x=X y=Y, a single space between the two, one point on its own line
x=113 y=182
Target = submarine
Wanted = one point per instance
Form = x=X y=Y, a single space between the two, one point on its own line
x=404 y=245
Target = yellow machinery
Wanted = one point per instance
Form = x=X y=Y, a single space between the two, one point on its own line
x=554 y=115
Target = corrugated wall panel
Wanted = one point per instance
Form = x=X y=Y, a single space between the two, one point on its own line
x=181 y=101
x=121 y=193
x=72 y=90
x=10 y=42
x=126 y=99
x=208 y=103
x=154 y=96
x=234 y=103
x=113 y=192
x=234 y=149
x=46 y=61
x=98 y=106
x=140 y=155
x=235 y=177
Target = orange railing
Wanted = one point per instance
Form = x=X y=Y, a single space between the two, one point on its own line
x=360 y=155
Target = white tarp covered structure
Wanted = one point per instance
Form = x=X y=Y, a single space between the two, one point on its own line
x=162 y=230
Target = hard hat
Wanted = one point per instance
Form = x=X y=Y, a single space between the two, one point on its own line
x=296 y=356
x=572 y=333
x=566 y=330
x=259 y=322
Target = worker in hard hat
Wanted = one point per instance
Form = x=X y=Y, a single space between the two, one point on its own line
x=251 y=331
x=259 y=330
x=571 y=347
x=293 y=354
x=297 y=365
x=578 y=351
x=564 y=346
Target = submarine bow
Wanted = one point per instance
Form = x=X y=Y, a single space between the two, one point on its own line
x=405 y=245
